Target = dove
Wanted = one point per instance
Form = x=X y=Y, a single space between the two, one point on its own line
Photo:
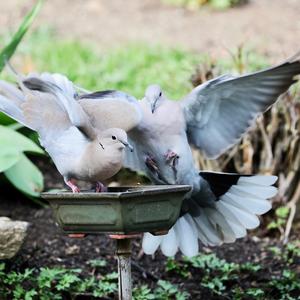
x=212 y=118
x=79 y=150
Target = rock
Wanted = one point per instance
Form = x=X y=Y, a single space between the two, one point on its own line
x=12 y=235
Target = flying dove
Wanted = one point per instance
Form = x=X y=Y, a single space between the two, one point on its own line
x=80 y=150
x=213 y=117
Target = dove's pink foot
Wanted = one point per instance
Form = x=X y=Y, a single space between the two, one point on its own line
x=171 y=158
x=151 y=163
x=100 y=187
x=71 y=184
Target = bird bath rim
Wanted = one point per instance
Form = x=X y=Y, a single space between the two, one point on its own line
x=118 y=192
x=121 y=210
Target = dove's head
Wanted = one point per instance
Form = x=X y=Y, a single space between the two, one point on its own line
x=154 y=95
x=114 y=137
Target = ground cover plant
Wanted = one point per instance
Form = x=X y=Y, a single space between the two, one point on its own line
x=216 y=277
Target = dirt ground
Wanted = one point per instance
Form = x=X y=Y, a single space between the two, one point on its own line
x=46 y=246
x=270 y=27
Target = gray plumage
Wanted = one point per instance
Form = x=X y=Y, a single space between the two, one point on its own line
x=212 y=117
x=46 y=103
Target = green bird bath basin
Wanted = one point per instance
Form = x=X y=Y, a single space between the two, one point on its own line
x=121 y=210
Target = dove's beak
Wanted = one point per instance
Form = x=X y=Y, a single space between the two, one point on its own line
x=153 y=106
x=127 y=145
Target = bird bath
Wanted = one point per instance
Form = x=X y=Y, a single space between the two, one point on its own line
x=122 y=212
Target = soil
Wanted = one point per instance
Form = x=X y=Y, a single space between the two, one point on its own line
x=270 y=27
x=47 y=246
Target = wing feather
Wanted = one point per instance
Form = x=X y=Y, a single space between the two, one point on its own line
x=220 y=111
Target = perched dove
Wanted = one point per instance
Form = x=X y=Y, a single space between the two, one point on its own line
x=78 y=149
x=213 y=117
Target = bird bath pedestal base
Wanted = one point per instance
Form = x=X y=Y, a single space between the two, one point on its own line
x=120 y=211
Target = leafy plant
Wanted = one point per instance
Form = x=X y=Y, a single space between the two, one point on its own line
x=281 y=214
x=8 y=51
x=143 y=293
x=17 y=168
x=287 y=284
x=97 y=263
x=167 y=290
x=174 y=266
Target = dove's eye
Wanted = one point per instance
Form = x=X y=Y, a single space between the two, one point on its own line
x=114 y=137
x=159 y=94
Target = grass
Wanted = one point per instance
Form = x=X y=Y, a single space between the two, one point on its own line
x=131 y=68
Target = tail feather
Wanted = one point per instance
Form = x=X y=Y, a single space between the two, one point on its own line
x=151 y=243
x=238 y=201
x=220 y=224
x=169 y=244
x=262 y=192
x=237 y=227
x=254 y=206
x=212 y=237
x=248 y=220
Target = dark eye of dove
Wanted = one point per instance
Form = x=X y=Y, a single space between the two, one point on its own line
x=114 y=137
x=160 y=94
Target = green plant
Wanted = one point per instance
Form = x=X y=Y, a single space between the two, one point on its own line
x=287 y=284
x=167 y=290
x=53 y=283
x=281 y=214
x=131 y=68
x=97 y=263
x=17 y=168
x=8 y=51
x=143 y=293
x=218 y=272
x=174 y=266
x=288 y=253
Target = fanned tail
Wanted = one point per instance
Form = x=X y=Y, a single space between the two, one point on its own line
x=238 y=200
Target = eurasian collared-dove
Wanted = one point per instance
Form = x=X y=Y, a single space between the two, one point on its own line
x=212 y=117
x=79 y=150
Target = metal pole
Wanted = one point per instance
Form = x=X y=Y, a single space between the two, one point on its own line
x=124 y=268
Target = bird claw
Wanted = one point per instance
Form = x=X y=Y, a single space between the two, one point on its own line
x=171 y=158
x=100 y=187
x=151 y=164
x=70 y=183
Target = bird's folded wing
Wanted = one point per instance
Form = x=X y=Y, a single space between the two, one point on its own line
x=111 y=109
x=64 y=94
x=108 y=109
x=219 y=112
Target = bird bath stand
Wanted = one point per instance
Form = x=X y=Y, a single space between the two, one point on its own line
x=121 y=212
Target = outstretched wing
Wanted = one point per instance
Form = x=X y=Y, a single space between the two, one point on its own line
x=220 y=111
